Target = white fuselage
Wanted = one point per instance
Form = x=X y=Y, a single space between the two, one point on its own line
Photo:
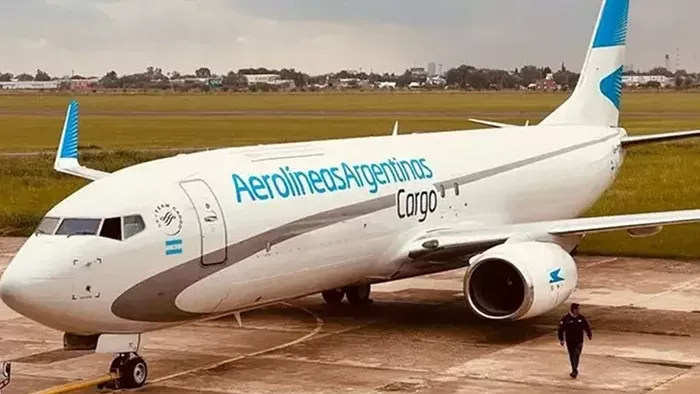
x=271 y=249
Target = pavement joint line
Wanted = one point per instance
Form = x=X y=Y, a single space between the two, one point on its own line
x=555 y=384
x=347 y=364
x=17 y=339
x=253 y=328
x=195 y=389
x=678 y=287
x=660 y=334
x=639 y=360
x=319 y=327
x=597 y=263
x=524 y=344
x=160 y=381
x=669 y=380
x=428 y=382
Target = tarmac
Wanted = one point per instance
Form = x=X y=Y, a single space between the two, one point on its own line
x=417 y=337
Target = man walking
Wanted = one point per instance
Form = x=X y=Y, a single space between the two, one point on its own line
x=571 y=328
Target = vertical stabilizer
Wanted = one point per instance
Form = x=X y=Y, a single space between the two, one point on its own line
x=596 y=99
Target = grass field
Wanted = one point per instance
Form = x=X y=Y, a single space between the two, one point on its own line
x=663 y=177
x=438 y=102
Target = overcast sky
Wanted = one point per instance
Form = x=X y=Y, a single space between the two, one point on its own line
x=317 y=36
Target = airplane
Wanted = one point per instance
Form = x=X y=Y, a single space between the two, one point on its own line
x=199 y=235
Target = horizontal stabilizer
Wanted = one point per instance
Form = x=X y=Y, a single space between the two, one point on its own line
x=492 y=124
x=67 y=154
x=656 y=138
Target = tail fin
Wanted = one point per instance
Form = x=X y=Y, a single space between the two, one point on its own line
x=596 y=99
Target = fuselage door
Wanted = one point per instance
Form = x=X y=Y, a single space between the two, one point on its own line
x=212 y=225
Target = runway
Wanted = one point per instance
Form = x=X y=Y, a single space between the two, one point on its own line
x=417 y=337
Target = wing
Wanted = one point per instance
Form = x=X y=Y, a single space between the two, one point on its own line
x=67 y=154
x=446 y=243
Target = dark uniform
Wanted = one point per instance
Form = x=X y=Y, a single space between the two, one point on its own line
x=571 y=330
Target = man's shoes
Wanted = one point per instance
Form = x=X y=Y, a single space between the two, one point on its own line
x=574 y=374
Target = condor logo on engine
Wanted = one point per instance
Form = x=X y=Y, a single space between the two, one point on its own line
x=417 y=204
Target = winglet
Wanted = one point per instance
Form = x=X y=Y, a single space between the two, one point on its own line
x=67 y=154
x=396 y=129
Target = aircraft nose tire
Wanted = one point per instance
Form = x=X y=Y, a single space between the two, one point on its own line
x=132 y=370
x=358 y=295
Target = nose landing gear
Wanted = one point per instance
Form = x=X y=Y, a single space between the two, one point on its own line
x=131 y=369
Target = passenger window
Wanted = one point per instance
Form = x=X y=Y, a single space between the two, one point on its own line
x=112 y=228
x=47 y=225
x=456 y=189
x=133 y=225
x=79 y=227
x=442 y=191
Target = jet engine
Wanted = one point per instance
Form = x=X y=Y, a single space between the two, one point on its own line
x=516 y=281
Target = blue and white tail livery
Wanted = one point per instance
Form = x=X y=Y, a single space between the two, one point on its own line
x=199 y=235
x=596 y=99
x=67 y=155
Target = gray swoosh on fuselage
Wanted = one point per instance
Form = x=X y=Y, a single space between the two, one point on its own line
x=153 y=300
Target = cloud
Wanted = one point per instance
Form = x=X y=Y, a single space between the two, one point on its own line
x=95 y=36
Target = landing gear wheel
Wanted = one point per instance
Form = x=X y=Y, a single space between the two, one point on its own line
x=333 y=297
x=358 y=295
x=132 y=371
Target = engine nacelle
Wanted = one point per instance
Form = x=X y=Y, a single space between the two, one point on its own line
x=516 y=281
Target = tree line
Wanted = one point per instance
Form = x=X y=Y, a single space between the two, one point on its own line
x=462 y=77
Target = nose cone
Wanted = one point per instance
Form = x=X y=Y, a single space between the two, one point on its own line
x=30 y=286
x=10 y=290
x=19 y=292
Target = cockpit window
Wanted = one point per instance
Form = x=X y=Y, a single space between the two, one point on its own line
x=133 y=225
x=112 y=228
x=47 y=225
x=79 y=227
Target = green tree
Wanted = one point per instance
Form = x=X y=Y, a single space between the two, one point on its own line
x=529 y=74
x=110 y=80
x=233 y=80
x=660 y=71
x=546 y=72
x=24 y=77
x=203 y=72
x=42 y=76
